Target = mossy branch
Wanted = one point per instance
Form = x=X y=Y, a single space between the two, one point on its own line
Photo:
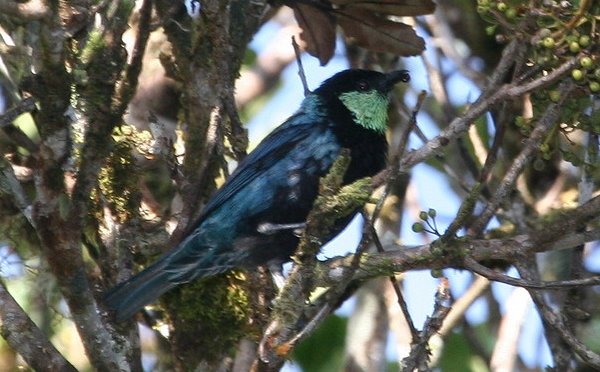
x=334 y=202
x=464 y=212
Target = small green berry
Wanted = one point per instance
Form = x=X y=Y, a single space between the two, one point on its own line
x=571 y=38
x=437 y=273
x=423 y=216
x=586 y=62
x=574 y=47
x=584 y=40
x=554 y=96
x=502 y=7
x=548 y=42
x=577 y=74
x=484 y=2
x=595 y=86
x=544 y=147
x=511 y=13
x=418 y=227
x=432 y=212
x=597 y=73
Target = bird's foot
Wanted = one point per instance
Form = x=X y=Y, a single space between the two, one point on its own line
x=268 y=228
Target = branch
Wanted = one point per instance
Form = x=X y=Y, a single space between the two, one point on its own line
x=394 y=282
x=288 y=321
x=9 y=184
x=460 y=306
x=398 y=258
x=59 y=217
x=557 y=321
x=26 y=338
x=496 y=276
x=300 y=66
x=419 y=352
x=460 y=125
x=16 y=134
x=26 y=105
x=546 y=122
x=129 y=83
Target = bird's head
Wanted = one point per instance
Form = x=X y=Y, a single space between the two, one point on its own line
x=363 y=93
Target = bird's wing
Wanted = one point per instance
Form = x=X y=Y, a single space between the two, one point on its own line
x=265 y=155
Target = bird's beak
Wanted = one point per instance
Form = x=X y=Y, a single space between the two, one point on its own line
x=391 y=78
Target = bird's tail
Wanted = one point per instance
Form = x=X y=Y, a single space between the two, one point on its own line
x=141 y=289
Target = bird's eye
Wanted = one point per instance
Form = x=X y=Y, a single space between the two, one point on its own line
x=363 y=85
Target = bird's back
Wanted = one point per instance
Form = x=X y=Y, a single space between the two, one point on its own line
x=274 y=186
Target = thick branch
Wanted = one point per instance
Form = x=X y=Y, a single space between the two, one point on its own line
x=26 y=338
x=435 y=256
x=60 y=232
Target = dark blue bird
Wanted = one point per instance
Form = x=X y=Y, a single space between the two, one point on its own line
x=275 y=185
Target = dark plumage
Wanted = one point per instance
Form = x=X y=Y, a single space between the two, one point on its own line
x=277 y=183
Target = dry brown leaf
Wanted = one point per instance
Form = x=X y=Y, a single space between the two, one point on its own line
x=380 y=34
x=391 y=7
x=318 y=31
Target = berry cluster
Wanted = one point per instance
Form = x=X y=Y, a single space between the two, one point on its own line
x=560 y=29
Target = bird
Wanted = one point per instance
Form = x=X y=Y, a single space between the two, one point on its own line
x=253 y=218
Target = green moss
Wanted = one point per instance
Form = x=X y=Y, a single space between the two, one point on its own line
x=350 y=197
x=208 y=316
x=95 y=43
x=118 y=179
x=464 y=212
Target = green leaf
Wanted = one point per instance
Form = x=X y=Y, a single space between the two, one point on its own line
x=458 y=356
x=323 y=351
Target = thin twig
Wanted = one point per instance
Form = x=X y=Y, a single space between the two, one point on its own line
x=127 y=88
x=460 y=306
x=556 y=320
x=419 y=351
x=9 y=184
x=300 y=67
x=460 y=125
x=401 y=302
x=502 y=278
